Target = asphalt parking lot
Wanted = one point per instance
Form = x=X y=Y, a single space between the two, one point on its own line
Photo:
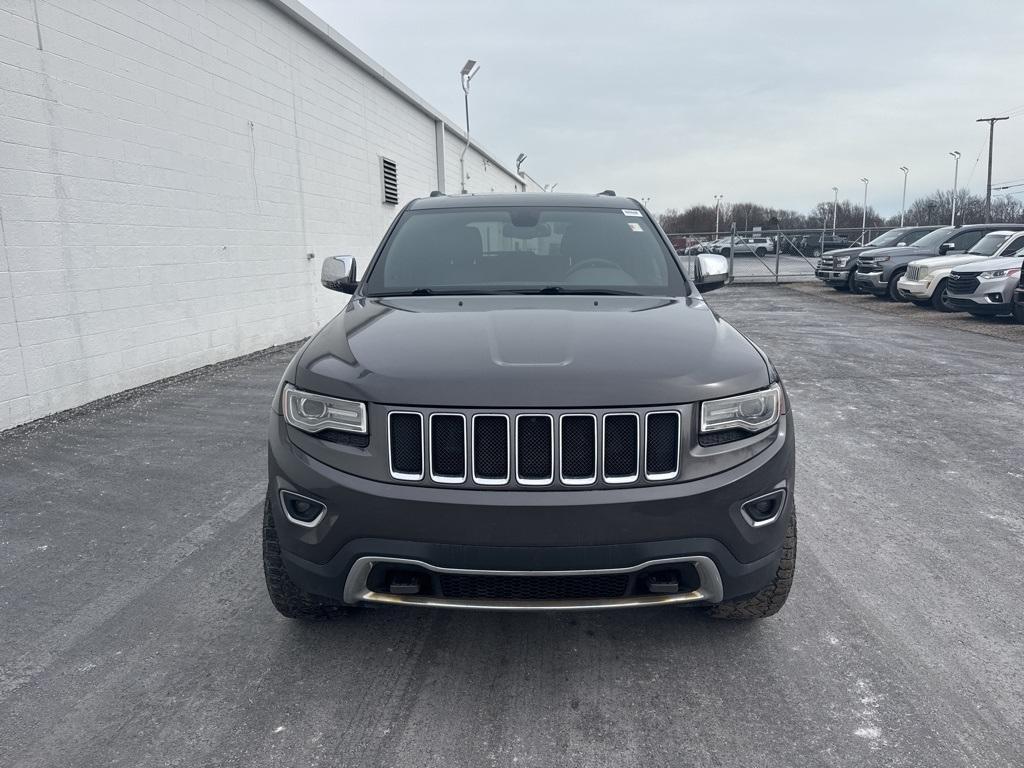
x=135 y=629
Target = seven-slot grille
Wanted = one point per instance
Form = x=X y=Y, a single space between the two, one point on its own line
x=963 y=283
x=913 y=272
x=534 y=449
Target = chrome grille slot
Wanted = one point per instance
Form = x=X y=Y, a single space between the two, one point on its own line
x=621 y=447
x=535 y=457
x=913 y=272
x=525 y=449
x=448 y=448
x=405 y=445
x=578 y=443
x=491 y=450
x=661 y=448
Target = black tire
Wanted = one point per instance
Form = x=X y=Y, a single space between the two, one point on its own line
x=724 y=252
x=761 y=253
x=893 y=292
x=851 y=282
x=290 y=599
x=1018 y=312
x=939 y=300
x=769 y=600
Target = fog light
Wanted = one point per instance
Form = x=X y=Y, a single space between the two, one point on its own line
x=302 y=510
x=764 y=510
x=995 y=298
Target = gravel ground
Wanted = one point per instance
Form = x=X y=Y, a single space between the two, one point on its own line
x=135 y=630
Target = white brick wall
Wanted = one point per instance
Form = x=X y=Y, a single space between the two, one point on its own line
x=165 y=167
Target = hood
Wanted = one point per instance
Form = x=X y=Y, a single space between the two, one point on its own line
x=987 y=265
x=850 y=252
x=901 y=253
x=942 y=262
x=530 y=351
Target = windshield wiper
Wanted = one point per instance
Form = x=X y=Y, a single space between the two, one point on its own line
x=430 y=292
x=558 y=289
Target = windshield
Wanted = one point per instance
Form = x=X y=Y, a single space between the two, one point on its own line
x=989 y=244
x=525 y=250
x=934 y=239
x=890 y=238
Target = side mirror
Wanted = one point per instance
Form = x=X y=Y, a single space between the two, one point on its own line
x=900 y=244
x=946 y=248
x=339 y=274
x=710 y=271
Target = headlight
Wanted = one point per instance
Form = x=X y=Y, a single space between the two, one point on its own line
x=753 y=412
x=315 y=413
x=882 y=258
x=1013 y=271
x=841 y=261
x=922 y=273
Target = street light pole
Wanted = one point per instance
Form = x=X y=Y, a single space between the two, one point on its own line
x=864 y=214
x=718 y=199
x=988 y=189
x=835 y=208
x=903 y=207
x=469 y=70
x=956 y=171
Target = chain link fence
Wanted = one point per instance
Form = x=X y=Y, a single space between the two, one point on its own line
x=770 y=256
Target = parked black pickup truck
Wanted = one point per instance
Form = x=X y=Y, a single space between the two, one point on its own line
x=527 y=405
x=837 y=268
x=879 y=270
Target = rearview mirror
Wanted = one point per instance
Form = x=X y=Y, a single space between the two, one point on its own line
x=710 y=271
x=339 y=274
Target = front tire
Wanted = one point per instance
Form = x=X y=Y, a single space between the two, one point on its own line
x=761 y=253
x=939 y=300
x=893 y=290
x=289 y=598
x=769 y=600
x=1018 y=312
x=852 y=282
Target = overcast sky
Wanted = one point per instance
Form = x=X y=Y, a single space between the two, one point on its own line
x=764 y=100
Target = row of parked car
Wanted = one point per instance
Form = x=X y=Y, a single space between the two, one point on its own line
x=973 y=268
x=813 y=245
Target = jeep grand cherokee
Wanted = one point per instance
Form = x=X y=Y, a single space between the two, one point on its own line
x=526 y=404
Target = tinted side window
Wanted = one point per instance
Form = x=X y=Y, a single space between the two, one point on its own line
x=1015 y=247
x=964 y=240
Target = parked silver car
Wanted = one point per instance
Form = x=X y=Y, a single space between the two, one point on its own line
x=985 y=288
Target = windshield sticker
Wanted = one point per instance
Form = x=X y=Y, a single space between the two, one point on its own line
x=635 y=227
x=631 y=212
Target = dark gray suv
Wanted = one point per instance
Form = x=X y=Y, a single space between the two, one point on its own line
x=527 y=404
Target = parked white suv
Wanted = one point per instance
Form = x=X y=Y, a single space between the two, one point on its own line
x=758 y=246
x=985 y=288
x=926 y=281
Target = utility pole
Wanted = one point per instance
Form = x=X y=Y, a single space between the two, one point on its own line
x=988 y=188
x=864 y=215
x=903 y=208
x=955 y=154
x=718 y=199
x=835 y=208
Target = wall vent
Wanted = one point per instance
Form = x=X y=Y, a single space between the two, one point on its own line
x=389 y=181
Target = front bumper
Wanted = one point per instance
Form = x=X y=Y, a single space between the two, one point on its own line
x=920 y=290
x=872 y=282
x=833 y=276
x=487 y=531
x=993 y=296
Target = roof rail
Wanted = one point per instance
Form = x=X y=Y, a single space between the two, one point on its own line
x=437 y=193
x=608 y=193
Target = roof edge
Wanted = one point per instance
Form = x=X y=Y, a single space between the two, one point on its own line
x=304 y=17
